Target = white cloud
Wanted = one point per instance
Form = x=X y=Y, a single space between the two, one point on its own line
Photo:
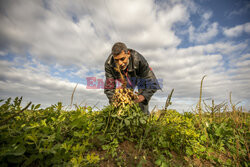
x=245 y=57
x=2 y=53
x=206 y=30
x=40 y=87
x=201 y=36
x=182 y=69
x=207 y=15
x=51 y=35
x=237 y=30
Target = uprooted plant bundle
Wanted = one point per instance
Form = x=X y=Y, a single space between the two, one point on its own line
x=124 y=117
x=123 y=96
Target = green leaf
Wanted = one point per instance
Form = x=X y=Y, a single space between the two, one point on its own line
x=202 y=148
x=141 y=163
x=203 y=138
x=32 y=158
x=32 y=138
x=37 y=106
x=164 y=164
x=189 y=151
x=105 y=147
x=32 y=106
x=158 y=162
x=20 y=150
x=17 y=151
x=113 y=115
x=127 y=122
x=142 y=121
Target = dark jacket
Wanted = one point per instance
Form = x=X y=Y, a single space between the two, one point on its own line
x=139 y=74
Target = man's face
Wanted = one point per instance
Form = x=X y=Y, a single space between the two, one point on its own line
x=122 y=60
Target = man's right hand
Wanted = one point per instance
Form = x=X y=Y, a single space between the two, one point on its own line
x=140 y=99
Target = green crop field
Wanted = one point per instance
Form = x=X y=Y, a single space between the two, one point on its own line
x=214 y=135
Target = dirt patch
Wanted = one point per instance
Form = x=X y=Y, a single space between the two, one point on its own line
x=197 y=162
x=127 y=155
x=133 y=157
x=106 y=160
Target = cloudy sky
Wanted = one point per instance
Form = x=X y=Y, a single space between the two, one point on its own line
x=48 y=46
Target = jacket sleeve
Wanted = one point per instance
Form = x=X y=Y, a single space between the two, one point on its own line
x=148 y=81
x=109 y=86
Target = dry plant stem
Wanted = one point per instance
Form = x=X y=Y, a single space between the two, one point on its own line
x=72 y=96
x=199 y=104
x=95 y=105
x=213 y=109
x=168 y=101
x=200 y=111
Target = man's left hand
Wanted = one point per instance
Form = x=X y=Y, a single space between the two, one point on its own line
x=140 y=99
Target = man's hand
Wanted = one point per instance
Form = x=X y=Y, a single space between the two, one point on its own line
x=140 y=99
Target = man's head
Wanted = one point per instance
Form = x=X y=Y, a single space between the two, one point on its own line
x=121 y=55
